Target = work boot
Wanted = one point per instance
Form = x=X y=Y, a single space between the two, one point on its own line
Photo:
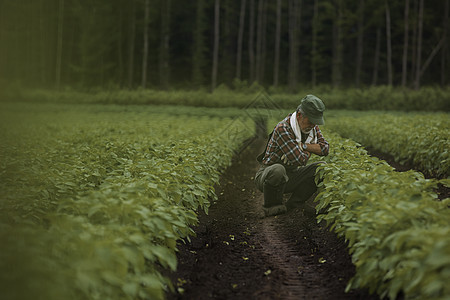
x=273 y=200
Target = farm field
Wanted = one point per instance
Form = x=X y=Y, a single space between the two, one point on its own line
x=94 y=198
x=362 y=198
x=420 y=139
x=237 y=254
x=101 y=201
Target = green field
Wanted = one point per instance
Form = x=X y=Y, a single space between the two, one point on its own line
x=420 y=138
x=94 y=197
x=398 y=232
x=129 y=131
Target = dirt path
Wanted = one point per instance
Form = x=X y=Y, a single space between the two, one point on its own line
x=237 y=254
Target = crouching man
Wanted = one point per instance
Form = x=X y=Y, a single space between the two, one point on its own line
x=284 y=166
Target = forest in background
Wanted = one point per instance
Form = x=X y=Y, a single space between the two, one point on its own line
x=167 y=44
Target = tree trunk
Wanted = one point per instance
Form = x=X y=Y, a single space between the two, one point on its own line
x=337 y=62
x=419 y=47
x=444 y=53
x=259 y=37
x=59 y=43
x=3 y=41
x=198 y=59
x=263 y=44
x=164 y=70
x=276 y=66
x=216 y=44
x=30 y=46
x=227 y=50
x=145 y=50
x=251 y=37
x=359 y=44
x=376 y=60
x=314 y=51
x=71 y=37
x=42 y=43
x=119 y=49
x=293 y=43
x=431 y=56
x=85 y=18
x=388 y=43
x=414 y=44
x=131 y=42
x=240 y=38
x=405 y=45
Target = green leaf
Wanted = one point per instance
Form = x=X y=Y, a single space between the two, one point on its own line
x=130 y=289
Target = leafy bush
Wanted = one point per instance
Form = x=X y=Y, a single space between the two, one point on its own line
x=398 y=233
x=423 y=139
x=94 y=197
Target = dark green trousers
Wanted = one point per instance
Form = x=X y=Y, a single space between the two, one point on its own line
x=300 y=181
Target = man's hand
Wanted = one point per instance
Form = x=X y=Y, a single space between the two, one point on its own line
x=313 y=148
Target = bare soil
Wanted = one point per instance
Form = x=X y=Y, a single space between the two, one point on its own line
x=238 y=254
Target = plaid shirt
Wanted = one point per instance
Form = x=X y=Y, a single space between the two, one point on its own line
x=283 y=141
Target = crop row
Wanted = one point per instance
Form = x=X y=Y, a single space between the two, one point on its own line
x=94 y=199
x=398 y=233
x=423 y=139
x=240 y=95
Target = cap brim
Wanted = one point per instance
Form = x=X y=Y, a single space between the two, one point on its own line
x=317 y=121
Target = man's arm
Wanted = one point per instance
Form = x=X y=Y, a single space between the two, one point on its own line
x=314 y=148
x=290 y=148
x=322 y=146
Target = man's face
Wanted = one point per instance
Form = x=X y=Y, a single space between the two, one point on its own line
x=305 y=124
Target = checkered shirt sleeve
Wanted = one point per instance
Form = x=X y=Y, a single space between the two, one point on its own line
x=283 y=142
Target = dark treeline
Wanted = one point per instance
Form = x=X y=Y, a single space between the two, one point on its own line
x=200 y=43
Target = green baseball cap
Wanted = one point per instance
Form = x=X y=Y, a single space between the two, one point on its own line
x=313 y=108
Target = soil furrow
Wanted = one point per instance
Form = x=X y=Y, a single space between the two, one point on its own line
x=284 y=256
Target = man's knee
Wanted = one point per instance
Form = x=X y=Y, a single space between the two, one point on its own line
x=276 y=175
